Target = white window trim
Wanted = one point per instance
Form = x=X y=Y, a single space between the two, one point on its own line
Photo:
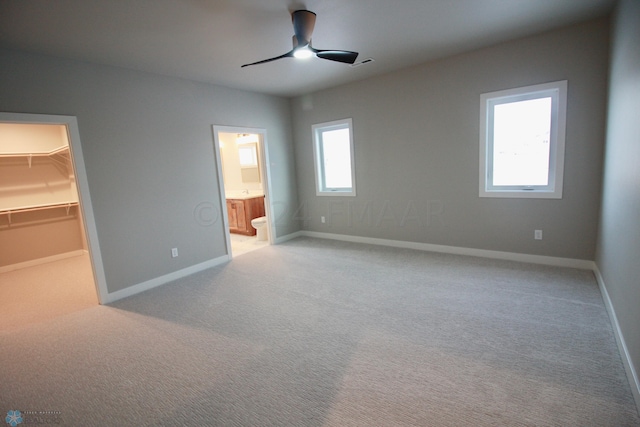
x=319 y=169
x=558 y=90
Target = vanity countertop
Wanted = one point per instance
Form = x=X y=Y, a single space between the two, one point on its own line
x=239 y=195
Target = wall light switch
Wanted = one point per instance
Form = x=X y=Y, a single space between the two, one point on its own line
x=537 y=234
x=322 y=219
x=174 y=252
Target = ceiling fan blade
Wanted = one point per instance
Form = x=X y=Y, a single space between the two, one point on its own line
x=286 y=55
x=303 y=23
x=345 y=56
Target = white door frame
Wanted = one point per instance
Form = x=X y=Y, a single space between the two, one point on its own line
x=86 y=208
x=265 y=175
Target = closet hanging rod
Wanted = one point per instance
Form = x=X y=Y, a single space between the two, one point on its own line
x=30 y=156
x=38 y=153
x=11 y=211
x=39 y=207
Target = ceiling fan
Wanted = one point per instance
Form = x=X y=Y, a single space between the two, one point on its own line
x=303 y=23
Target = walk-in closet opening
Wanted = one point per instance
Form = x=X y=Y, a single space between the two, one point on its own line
x=45 y=265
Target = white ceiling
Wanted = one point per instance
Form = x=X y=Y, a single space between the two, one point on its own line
x=208 y=40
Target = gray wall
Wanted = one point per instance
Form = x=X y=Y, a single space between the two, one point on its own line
x=416 y=149
x=618 y=255
x=147 y=142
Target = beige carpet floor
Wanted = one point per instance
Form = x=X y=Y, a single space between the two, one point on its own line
x=324 y=333
x=47 y=291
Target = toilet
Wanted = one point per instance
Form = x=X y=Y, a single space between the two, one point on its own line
x=260 y=224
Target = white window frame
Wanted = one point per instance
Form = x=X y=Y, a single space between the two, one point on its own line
x=558 y=93
x=317 y=130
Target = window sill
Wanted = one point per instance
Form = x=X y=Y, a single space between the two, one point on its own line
x=336 y=193
x=521 y=194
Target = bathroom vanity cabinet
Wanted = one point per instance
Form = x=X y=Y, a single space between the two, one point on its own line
x=242 y=211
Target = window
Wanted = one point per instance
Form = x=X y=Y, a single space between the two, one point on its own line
x=522 y=141
x=333 y=154
x=248 y=155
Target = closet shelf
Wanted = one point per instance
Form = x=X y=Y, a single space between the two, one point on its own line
x=60 y=150
x=22 y=209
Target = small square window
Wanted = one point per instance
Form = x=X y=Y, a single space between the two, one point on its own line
x=248 y=156
x=334 y=162
x=522 y=134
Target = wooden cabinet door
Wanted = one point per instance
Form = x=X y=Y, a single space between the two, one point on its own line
x=233 y=217
x=241 y=217
x=241 y=212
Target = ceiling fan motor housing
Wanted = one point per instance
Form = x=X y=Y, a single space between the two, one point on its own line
x=304 y=22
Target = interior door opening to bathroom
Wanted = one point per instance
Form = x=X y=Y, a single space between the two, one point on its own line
x=45 y=264
x=244 y=185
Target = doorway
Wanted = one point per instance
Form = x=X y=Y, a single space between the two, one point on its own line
x=48 y=262
x=244 y=186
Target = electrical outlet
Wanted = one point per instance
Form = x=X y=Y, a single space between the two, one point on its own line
x=174 y=252
x=322 y=219
x=537 y=234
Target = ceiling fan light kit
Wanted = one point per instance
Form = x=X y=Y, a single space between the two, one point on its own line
x=302 y=52
x=303 y=23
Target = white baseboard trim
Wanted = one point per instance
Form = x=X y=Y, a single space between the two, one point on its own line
x=158 y=281
x=287 y=237
x=632 y=375
x=534 y=259
x=456 y=250
x=44 y=260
